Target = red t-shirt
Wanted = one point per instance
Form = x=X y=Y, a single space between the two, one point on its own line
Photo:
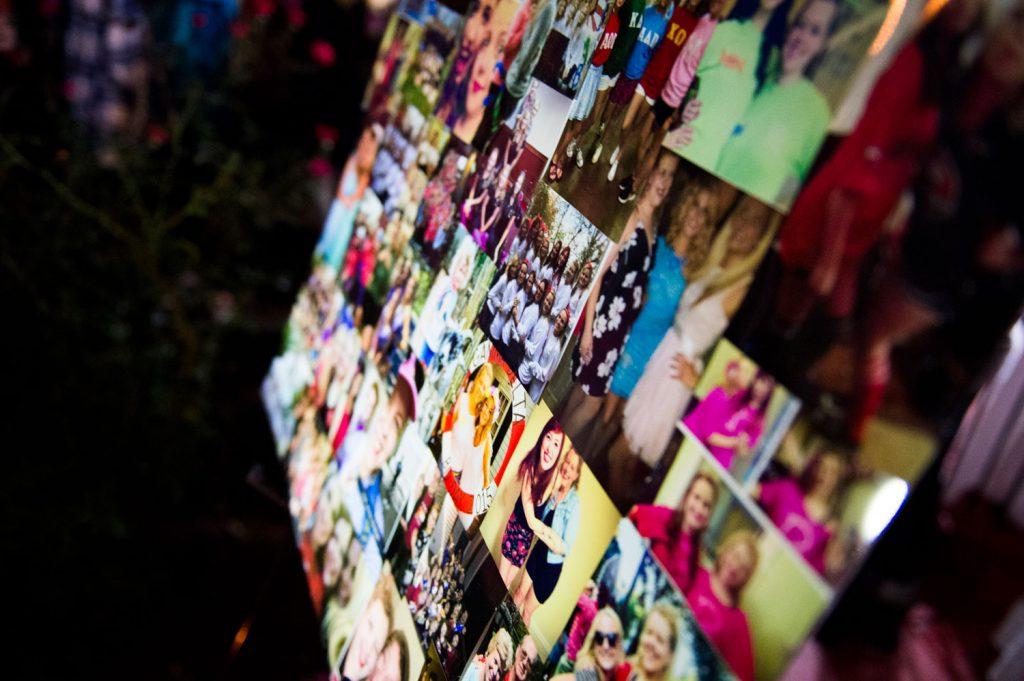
x=680 y=26
x=607 y=41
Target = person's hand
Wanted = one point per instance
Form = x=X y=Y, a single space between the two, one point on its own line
x=691 y=110
x=683 y=370
x=823 y=278
x=587 y=346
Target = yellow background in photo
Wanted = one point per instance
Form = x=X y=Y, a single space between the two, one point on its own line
x=340 y=620
x=598 y=521
x=403 y=622
x=492 y=527
x=714 y=376
x=777 y=627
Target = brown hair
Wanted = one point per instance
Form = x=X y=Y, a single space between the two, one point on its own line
x=675 y=525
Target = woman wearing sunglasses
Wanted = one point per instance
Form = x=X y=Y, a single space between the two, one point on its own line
x=603 y=657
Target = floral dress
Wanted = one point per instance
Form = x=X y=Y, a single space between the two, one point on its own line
x=619 y=304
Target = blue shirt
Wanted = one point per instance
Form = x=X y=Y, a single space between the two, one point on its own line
x=565 y=523
x=655 y=24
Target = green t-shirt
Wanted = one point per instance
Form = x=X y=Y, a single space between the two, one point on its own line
x=629 y=29
x=726 y=85
x=773 y=146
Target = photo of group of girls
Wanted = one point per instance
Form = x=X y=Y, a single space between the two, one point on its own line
x=566 y=393
x=509 y=165
x=683 y=263
x=545 y=276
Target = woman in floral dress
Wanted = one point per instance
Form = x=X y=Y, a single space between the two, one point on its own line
x=615 y=301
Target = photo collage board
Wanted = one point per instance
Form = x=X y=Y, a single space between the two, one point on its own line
x=554 y=400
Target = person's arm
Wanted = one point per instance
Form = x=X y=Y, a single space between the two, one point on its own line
x=587 y=334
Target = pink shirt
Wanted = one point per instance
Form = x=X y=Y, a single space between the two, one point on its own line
x=685 y=67
x=586 y=609
x=710 y=417
x=783 y=501
x=675 y=553
x=724 y=625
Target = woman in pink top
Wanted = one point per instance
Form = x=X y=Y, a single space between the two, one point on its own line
x=804 y=508
x=675 y=534
x=739 y=431
x=714 y=600
x=719 y=404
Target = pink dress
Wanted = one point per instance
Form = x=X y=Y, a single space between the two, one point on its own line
x=724 y=625
x=675 y=553
x=783 y=501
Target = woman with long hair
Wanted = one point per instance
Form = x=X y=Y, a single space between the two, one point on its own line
x=740 y=430
x=804 y=508
x=714 y=599
x=657 y=646
x=556 y=533
x=536 y=476
x=675 y=533
x=734 y=67
x=665 y=388
x=777 y=139
x=602 y=656
x=613 y=306
x=678 y=255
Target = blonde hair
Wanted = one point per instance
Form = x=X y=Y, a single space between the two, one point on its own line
x=720 y=250
x=670 y=614
x=585 y=653
x=698 y=248
x=745 y=538
x=501 y=643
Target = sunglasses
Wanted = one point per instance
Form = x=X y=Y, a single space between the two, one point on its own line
x=610 y=638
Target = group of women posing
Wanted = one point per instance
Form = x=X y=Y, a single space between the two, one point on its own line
x=662 y=300
x=545 y=518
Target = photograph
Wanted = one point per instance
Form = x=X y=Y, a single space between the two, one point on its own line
x=352 y=185
x=473 y=65
x=378 y=420
x=480 y=424
x=731 y=563
x=506 y=652
x=832 y=502
x=535 y=529
x=426 y=72
x=454 y=590
x=761 y=99
x=454 y=300
x=506 y=170
x=657 y=309
x=398 y=46
x=546 y=275
x=739 y=412
x=631 y=622
x=384 y=645
x=435 y=222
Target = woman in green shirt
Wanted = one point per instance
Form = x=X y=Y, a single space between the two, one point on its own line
x=773 y=146
x=729 y=75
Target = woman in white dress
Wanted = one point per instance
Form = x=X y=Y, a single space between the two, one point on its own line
x=666 y=385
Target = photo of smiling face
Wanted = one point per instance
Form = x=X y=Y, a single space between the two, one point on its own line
x=607 y=641
x=367 y=641
x=550 y=449
x=807 y=36
x=657 y=640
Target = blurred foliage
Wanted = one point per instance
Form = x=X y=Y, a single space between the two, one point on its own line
x=146 y=281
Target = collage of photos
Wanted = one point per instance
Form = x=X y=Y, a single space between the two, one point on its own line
x=608 y=365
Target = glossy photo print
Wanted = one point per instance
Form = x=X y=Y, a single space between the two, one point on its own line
x=759 y=102
x=618 y=354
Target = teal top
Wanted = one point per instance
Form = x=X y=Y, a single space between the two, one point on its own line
x=772 y=147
